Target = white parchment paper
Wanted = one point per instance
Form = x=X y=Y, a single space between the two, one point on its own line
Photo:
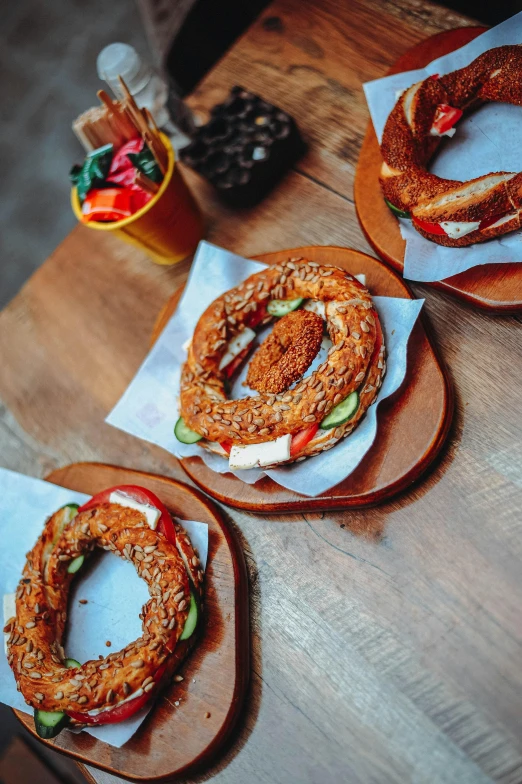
x=489 y=140
x=114 y=592
x=149 y=407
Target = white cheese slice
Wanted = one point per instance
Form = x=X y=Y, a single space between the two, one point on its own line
x=152 y=515
x=450 y=132
x=456 y=229
x=361 y=278
x=236 y=346
x=254 y=455
x=9 y=612
x=186 y=345
x=315 y=306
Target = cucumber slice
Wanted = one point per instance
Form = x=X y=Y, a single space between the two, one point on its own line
x=48 y=724
x=192 y=618
x=342 y=412
x=280 y=307
x=72 y=663
x=184 y=434
x=76 y=564
x=396 y=211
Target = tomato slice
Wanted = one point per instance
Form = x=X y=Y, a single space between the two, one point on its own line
x=142 y=496
x=226 y=445
x=302 y=438
x=445 y=118
x=232 y=366
x=431 y=228
x=490 y=221
x=255 y=317
x=120 y=712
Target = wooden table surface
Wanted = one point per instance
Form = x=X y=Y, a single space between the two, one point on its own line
x=386 y=642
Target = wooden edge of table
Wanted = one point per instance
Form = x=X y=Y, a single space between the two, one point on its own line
x=488 y=287
x=288 y=501
x=241 y=622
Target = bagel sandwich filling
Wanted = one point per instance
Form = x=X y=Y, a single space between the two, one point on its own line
x=290 y=415
x=133 y=523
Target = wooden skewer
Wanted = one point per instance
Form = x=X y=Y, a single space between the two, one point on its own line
x=152 y=122
x=146 y=183
x=156 y=145
x=107 y=100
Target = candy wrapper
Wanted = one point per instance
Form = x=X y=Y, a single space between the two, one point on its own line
x=488 y=140
x=114 y=592
x=149 y=407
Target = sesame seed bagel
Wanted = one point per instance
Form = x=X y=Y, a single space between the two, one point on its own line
x=35 y=651
x=488 y=206
x=354 y=363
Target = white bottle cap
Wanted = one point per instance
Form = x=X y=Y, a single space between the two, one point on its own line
x=122 y=60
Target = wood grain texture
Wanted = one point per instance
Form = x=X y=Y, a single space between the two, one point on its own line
x=412 y=424
x=191 y=720
x=496 y=288
x=386 y=642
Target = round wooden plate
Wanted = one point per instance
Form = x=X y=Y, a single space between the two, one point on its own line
x=495 y=288
x=413 y=423
x=175 y=740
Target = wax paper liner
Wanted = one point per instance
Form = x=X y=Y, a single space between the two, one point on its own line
x=114 y=592
x=149 y=406
x=488 y=140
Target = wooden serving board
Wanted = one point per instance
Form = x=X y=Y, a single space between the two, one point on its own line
x=495 y=288
x=175 y=740
x=413 y=423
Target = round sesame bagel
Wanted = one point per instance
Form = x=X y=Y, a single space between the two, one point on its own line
x=35 y=651
x=355 y=361
x=451 y=212
x=287 y=352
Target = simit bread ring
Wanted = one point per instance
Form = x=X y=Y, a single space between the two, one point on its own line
x=297 y=422
x=450 y=212
x=95 y=691
x=287 y=352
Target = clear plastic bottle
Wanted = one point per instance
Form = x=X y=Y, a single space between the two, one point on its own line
x=148 y=89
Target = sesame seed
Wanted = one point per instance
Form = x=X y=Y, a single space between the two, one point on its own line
x=58 y=695
x=35 y=675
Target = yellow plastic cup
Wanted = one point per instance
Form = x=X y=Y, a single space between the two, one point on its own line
x=168 y=228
